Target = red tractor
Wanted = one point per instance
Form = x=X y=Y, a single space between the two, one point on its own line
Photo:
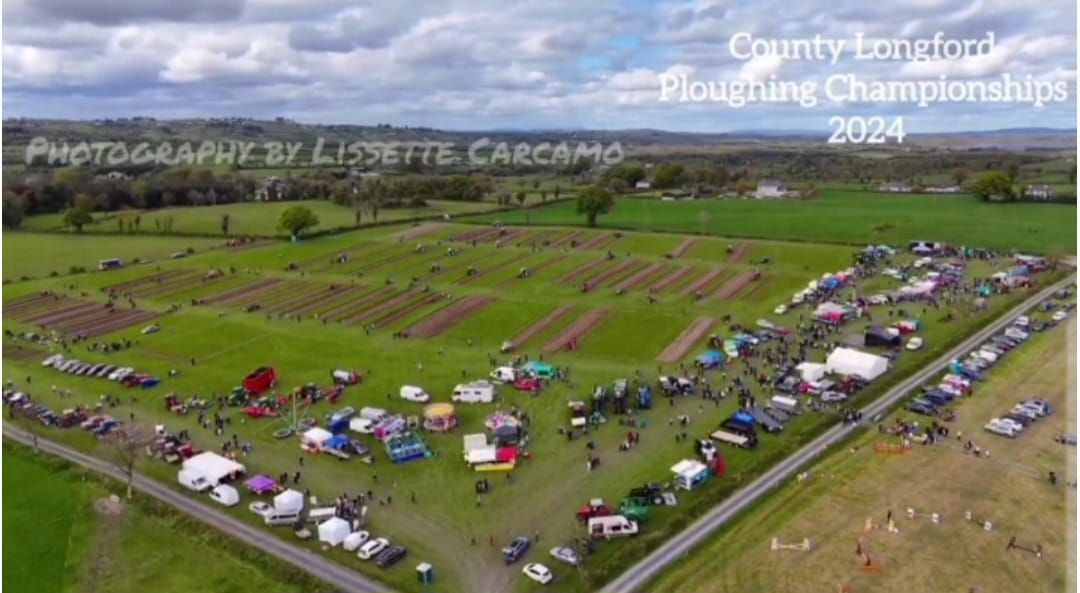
x=595 y=508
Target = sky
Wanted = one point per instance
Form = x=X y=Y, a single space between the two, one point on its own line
x=481 y=65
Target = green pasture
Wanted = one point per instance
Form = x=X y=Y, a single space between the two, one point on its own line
x=839 y=216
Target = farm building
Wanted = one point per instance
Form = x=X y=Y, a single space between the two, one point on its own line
x=847 y=361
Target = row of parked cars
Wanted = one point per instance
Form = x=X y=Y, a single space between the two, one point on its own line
x=126 y=376
x=1020 y=417
x=21 y=403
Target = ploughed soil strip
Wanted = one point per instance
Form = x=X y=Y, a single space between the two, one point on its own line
x=762 y=282
x=612 y=273
x=527 y=237
x=739 y=253
x=301 y=296
x=683 y=247
x=704 y=281
x=671 y=279
x=351 y=307
x=481 y=272
x=158 y=285
x=599 y=242
x=335 y=293
x=74 y=309
x=571 y=336
x=734 y=286
x=641 y=276
x=393 y=317
x=153 y=279
x=690 y=337
x=566 y=239
x=470 y=234
x=357 y=254
x=537 y=328
x=419 y=230
x=180 y=285
x=242 y=292
x=86 y=317
x=118 y=321
x=376 y=265
x=251 y=245
x=573 y=275
x=33 y=303
x=404 y=299
x=448 y=317
x=547 y=260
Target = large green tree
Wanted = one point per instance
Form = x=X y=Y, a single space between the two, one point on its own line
x=594 y=201
x=297 y=219
x=992 y=186
x=77 y=218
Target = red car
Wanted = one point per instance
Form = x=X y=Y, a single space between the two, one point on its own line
x=595 y=508
x=528 y=384
x=260 y=412
x=260 y=380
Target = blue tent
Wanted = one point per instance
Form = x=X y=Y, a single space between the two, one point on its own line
x=710 y=359
x=540 y=369
x=336 y=442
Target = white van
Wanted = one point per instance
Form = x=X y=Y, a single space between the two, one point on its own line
x=504 y=375
x=193 y=480
x=275 y=517
x=225 y=495
x=413 y=393
x=785 y=403
x=374 y=414
x=477 y=392
x=612 y=526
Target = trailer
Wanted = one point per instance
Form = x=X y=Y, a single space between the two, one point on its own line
x=731 y=438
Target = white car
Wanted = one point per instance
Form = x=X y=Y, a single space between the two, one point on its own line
x=120 y=373
x=915 y=343
x=1003 y=428
x=1059 y=316
x=362 y=425
x=537 y=572
x=225 y=495
x=780 y=309
x=261 y=508
x=565 y=555
x=413 y=393
x=1013 y=423
x=354 y=540
x=372 y=548
x=1022 y=321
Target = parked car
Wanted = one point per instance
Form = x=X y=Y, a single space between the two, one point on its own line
x=922 y=407
x=390 y=556
x=565 y=555
x=372 y=548
x=833 y=396
x=915 y=343
x=225 y=495
x=780 y=309
x=1043 y=407
x=517 y=548
x=537 y=572
x=997 y=426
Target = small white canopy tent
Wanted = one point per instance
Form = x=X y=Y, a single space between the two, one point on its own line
x=481 y=455
x=213 y=467
x=316 y=436
x=811 y=371
x=848 y=361
x=474 y=441
x=334 y=531
x=289 y=501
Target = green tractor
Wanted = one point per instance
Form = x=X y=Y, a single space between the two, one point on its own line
x=237 y=397
x=635 y=509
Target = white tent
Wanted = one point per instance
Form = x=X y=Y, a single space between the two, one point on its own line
x=474 y=441
x=334 y=531
x=213 y=467
x=847 y=361
x=316 y=436
x=481 y=455
x=289 y=501
x=811 y=371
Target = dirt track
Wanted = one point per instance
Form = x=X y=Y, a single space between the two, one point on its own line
x=683 y=247
x=689 y=338
x=671 y=279
x=448 y=317
x=577 y=330
x=611 y=273
x=538 y=327
x=704 y=281
x=641 y=277
x=734 y=286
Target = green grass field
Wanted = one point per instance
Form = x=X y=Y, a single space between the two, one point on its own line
x=843 y=216
x=60 y=539
x=257 y=219
x=1009 y=489
x=37 y=255
x=446 y=526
